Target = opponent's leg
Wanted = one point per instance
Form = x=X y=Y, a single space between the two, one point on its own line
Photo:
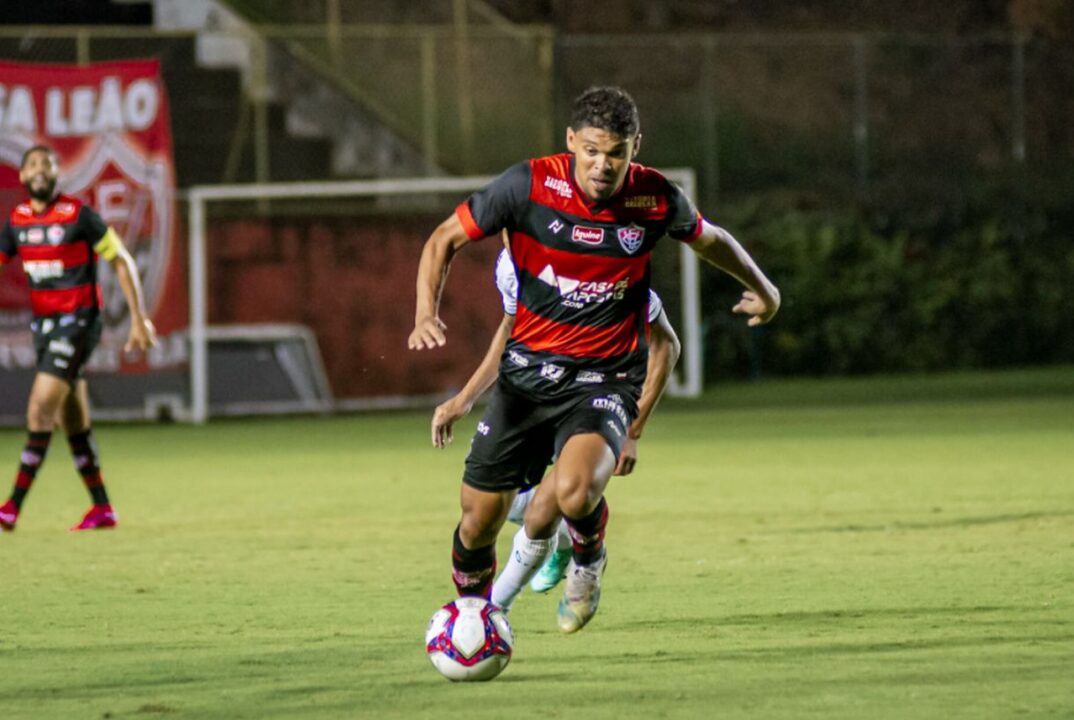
x=583 y=469
x=531 y=545
x=75 y=418
x=47 y=395
x=473 y=552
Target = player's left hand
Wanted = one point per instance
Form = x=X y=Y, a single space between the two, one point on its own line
x=759 y=309
x=142 y=335
x=628 y=457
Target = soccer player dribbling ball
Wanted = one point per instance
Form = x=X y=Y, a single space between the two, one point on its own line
x=541 y=549
x=582 y=225
x=58 y=240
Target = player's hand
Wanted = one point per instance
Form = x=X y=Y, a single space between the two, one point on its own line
x=444 y=418
x=760 y=310
x=628 y=457
x=428 y=333
x=142 y=335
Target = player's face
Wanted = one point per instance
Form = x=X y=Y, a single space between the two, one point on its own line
x=601 y=160
x=38 y=175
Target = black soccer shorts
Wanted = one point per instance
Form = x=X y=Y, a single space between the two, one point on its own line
x=64 y=343
x=518 y=436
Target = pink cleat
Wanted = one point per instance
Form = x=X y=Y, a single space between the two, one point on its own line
x=8 y=515
x=99 y=517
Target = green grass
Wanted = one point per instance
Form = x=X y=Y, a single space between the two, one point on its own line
x=889 y=548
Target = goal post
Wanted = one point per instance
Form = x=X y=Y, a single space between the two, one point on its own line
x=685 y=382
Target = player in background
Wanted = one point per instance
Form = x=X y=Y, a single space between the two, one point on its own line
x=551 y=544
x=582 y=225
x=58 y=240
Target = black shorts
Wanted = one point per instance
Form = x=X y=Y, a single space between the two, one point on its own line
x=64 y=343
x=518 y=436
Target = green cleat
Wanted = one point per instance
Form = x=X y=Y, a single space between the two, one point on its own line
x=581 y=595
x=553 y=570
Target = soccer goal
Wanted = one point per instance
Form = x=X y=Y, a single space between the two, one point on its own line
x=338 y=260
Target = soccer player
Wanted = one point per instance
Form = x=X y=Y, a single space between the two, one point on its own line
x=552 y=546
x=58 y=239
x=582 y=225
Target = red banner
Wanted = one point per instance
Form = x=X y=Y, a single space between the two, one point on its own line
x=109 y=124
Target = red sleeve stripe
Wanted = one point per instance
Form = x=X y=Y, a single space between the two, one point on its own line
x=55 y=302
x=72 y=255
x=543 y=335
x=467 y=219
x=697 y=230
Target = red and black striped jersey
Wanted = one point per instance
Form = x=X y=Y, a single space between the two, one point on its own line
x=58 y=249
x=582 y=267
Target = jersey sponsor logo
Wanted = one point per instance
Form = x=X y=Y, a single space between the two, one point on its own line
x=578 y=293
x=483 y=428
x=55 y=234
x=555 y=226
x=587 y=235
x=640 y=201
x=631 y=237
x=61 y=346
x=518 y=358
x=65 y=208
x=610 y=403
x=550 y=371
x=24 y=210
x=615 y=428
x=40 y=270
x=35 y=235
x=588 y=376
x=559 y=186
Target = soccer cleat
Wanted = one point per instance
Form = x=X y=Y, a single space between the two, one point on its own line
x=99 y=517
x=581 y=594
x=8 y=515
x=553 y=570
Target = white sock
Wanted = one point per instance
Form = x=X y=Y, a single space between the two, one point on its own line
x=527 y=556
x=562 y=537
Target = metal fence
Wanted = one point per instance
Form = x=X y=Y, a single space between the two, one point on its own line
x=834 y=116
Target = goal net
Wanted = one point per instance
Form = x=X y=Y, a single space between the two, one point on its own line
x=302 y=297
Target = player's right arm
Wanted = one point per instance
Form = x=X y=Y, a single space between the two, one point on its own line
x=484 y=376
x=7 y=245
x=486 y=212
x=436 y=257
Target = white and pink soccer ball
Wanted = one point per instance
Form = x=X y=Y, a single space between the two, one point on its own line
x=469 y=639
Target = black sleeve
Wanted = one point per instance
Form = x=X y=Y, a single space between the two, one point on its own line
x=499 y=204
x=8 y=247
x=684 y=222
x=90 y=225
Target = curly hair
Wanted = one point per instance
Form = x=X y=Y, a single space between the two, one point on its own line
x=606 y=108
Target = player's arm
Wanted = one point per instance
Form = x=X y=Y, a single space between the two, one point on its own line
x=436 y=258
x=142 y=335
x=664 y=350
x=484 y=376
x=7 y=245
x=718 y=247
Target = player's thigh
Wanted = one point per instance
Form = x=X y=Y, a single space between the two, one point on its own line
x=583 y=469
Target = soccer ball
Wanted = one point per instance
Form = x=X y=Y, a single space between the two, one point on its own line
x=469 y=639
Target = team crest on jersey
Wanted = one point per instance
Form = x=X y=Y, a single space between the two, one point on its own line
x=587 y=235
x=631 y=237
x=55 y=234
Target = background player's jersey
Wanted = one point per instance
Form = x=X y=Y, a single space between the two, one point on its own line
x=507 y=284
x=582 y=270
x=58 y=249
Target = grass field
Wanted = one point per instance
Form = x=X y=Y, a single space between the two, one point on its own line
x=893 y=548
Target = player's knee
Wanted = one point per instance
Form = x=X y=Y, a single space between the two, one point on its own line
x=578 y=494
x=41 y=414
x=477 y=530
